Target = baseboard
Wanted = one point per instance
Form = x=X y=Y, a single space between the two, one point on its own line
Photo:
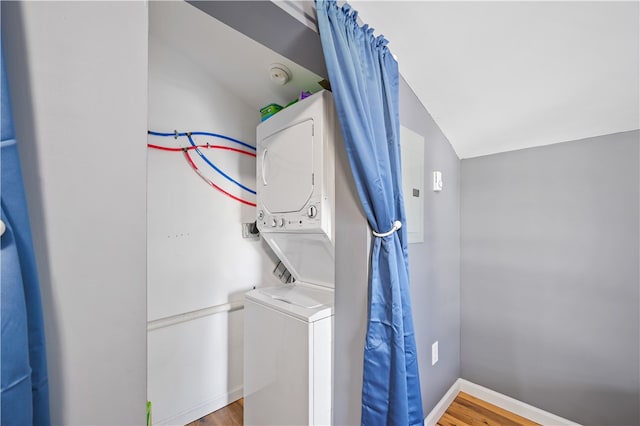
x=503 y=401
x=440 y=408
x=518 y=407
x=201 y=409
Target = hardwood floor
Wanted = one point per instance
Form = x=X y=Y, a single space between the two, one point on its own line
x=467 y=410
x=231 y=415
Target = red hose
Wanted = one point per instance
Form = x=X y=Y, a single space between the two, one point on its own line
x=226 y=148
x=195 y=169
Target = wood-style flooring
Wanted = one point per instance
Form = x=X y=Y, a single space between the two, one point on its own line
x=231 y=415
x=465 y=410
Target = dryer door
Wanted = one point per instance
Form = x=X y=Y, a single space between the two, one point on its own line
x=285 y=168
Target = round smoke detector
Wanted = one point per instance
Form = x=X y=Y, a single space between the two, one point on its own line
x=279 y=74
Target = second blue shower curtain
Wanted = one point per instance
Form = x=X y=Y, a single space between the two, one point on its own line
x=24 y=388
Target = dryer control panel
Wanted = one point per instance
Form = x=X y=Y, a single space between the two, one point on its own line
x=307 y=220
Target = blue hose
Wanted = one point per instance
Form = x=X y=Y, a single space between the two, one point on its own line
x=215 y=167
x=206 y=160
x=215 y=135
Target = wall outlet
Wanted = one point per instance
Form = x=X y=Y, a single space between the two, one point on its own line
x=434 y=353
x=250 y=230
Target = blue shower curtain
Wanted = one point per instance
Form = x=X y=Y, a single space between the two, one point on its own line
x=23 y=376
x=365 y=83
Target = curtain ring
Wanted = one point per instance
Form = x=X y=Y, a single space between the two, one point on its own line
x=396 y=225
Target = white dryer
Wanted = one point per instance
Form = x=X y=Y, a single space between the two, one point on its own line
x=289 y=329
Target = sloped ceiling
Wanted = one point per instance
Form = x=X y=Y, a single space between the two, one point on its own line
x=501 y=76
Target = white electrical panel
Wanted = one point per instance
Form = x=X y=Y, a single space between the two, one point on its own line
x=412 y=152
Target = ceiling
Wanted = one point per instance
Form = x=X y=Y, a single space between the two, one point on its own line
x=500 y=76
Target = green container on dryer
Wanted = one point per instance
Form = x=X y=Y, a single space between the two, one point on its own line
x=269 y=110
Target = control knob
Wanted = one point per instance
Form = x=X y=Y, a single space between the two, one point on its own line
x=312 y=211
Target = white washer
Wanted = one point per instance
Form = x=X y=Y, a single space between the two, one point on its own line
x=288 y=356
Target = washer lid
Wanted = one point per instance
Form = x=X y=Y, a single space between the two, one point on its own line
x=298 y=300
x=289 y=294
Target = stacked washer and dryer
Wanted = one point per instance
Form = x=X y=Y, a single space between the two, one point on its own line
x=289 y=328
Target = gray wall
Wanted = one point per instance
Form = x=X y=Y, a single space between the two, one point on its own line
x=550 y=282
x=268 y=24
x=81 y=126
x=434 y=264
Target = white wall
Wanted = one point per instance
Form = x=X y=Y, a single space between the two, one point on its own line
x=78 y=76
x=195 y=367
x=197 y=258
